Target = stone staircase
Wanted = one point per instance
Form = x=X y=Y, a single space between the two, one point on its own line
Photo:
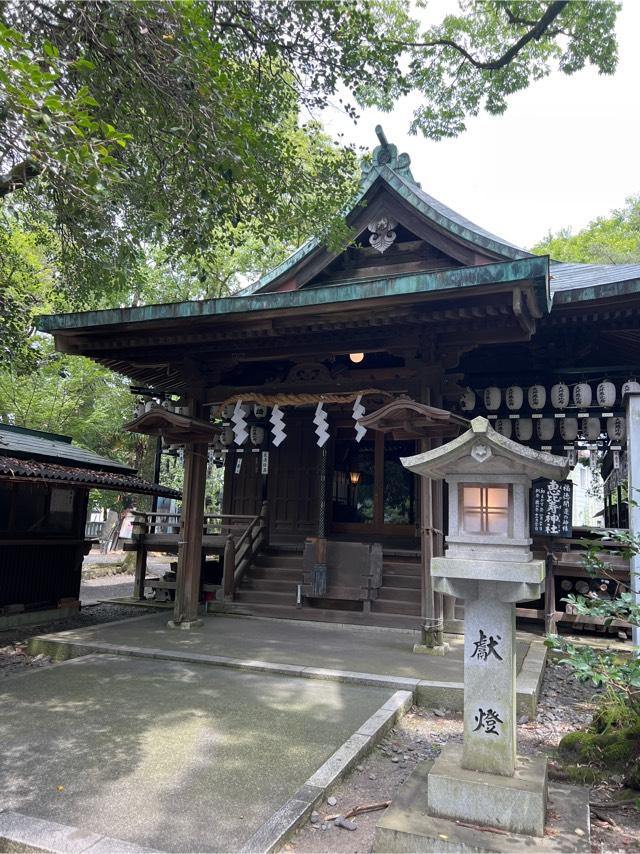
x=270 y=588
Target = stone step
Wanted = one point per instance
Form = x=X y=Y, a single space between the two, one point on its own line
x=322 y=615
x=398 y=594
x=384 y=606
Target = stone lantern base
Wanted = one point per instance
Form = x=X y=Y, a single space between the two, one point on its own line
x=410 y=826
x=517 y=804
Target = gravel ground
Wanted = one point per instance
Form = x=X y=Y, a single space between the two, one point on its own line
x=13 y=655
x=107 y=587
x=565 y=706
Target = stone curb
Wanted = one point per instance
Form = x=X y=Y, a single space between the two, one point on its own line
x=19 y=832
x=529 y=679
x=277 y=829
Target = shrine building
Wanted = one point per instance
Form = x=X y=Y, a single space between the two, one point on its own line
x=312 y=384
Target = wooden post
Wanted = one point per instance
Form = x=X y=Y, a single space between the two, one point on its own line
x=141 y=571
x=549 y=597
x=264 y=523
x=228 y=568
x=185 y=614
x=633 y=463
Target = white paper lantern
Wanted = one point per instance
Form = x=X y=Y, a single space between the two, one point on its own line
x=606 y=393
x=629 y=386
x=582 y=394
x=545 y=429
x=560 y=396
x=616 y=429
x=537 y=396
x=468 y=400
x=227 y=437
x=256 y=434
x=524 y=429
x=503 y=426
x=227 y=411
x=259 y=410
x=514 y=397
x=591 y=428
x=492 y=398
x=569 y=429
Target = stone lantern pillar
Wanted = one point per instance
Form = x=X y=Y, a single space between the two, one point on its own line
x=489 y=564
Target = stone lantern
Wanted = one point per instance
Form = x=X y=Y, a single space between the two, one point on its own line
x=489 y=564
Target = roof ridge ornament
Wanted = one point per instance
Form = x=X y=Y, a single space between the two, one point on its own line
x=386 y=154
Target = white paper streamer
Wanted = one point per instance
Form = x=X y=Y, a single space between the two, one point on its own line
x=240 y=433
x=358 y=412
x=276 y=419
x=322 y=428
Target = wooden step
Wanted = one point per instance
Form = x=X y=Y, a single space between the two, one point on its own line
x=398 y=594
x=409 y=582
x=282 y=560
x=401 y=568
x=266 y=597
x=276 y=573
x=384 y=606
x=276 y=585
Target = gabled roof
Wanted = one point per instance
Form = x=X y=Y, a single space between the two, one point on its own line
x=35 y=444
x=390 y=170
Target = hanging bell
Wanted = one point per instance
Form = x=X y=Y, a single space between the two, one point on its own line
x=503 y=426
x=468 y=400
x=560 y=396
x=569 y=429
x=582 y=395
x=537 y=396
x=606 y=394
x=545 y=429
x=514 y=397
x=492 y=398
x=616 y=428
x=524 y=429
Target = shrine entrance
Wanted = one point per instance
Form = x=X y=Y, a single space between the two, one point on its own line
x=371 y=495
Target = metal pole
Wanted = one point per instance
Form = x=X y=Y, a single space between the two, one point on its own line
x=633 y=466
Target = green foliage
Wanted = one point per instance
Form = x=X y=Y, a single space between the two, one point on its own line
x=615 y=671
x=614 y=239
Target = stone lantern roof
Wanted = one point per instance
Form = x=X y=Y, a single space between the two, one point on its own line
x=482 y=450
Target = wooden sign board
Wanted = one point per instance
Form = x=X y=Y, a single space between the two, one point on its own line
x=551 y=508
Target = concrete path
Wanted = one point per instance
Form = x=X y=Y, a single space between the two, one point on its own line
x=346 y=648
x=168 y=755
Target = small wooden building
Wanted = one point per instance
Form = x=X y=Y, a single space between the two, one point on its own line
x=44 y=492
x=424 y=306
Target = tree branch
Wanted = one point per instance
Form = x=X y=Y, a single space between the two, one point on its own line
x=535 y=32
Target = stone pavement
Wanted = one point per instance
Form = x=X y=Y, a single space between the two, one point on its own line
x=168 y=755
x=283 y=642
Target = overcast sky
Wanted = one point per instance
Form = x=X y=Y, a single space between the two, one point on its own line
x=566 y=151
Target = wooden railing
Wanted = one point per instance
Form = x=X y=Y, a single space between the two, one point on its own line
x=241 y=538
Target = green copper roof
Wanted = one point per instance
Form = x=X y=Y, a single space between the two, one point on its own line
x=531 y=268
x=394 y=169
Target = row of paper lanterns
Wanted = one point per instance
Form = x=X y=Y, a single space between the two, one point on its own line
x=561 y=396
x=522 y=429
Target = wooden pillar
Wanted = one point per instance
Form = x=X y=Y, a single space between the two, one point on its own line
x=633 y=491
x=185 y=614
x=140 y=572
